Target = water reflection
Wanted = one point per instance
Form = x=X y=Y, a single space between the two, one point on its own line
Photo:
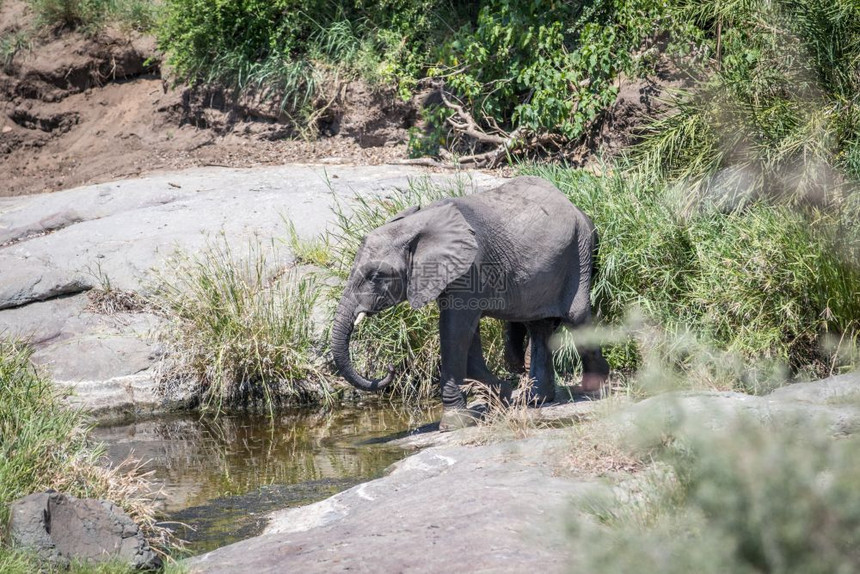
x=220 y=476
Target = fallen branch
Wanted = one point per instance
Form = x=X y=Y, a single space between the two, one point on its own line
x=464 y=124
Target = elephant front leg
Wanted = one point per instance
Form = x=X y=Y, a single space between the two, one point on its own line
x=541 y=369
x=478 y=370
x=456 y=330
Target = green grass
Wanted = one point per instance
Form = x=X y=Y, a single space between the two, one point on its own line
x=10 y=44
x=91 y=16
x=240 y=329
x=762 y=281
x=778 y=105
x=751 y=497
x=44 y=444
x=315 y=251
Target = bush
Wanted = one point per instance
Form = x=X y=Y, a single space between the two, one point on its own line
x=777 y=103
x=764 y=281
x=749 y=498
x=241 y=332
x=288 y=48
x=91 y=15
x=544 y=66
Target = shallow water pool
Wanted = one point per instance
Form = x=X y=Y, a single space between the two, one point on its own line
x=221 y=477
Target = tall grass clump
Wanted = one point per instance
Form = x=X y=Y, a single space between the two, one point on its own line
x=746 y=498
x=44 y=444
x=92 y=15
x=239 y=329
x=775 y=101
x=400 y=336
x=764 y=281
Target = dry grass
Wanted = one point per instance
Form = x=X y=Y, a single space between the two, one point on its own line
x=597 y=448
x=113 y=301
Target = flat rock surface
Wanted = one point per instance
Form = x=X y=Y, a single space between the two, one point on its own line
x=500 y=507
x=55 y=247
x=492 y=508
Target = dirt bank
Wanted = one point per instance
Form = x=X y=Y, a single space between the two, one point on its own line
x=76 y=110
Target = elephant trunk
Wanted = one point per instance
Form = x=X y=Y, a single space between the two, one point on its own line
x=340 y=336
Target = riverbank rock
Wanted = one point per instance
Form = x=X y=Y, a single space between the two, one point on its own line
x=61 y=528
x=490 y=508
x=58 y=249
x=509 y=506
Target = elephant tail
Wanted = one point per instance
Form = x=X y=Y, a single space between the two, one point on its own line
x=594 y=251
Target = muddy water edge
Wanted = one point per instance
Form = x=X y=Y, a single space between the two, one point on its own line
x=220 y=477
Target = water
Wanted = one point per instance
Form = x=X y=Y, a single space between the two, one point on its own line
x=220 y=477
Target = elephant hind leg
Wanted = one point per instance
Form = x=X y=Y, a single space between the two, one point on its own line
x=516 y=340
x=541 y=368
x=595 y=368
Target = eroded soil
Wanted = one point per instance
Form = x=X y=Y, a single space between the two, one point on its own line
x=76 y=110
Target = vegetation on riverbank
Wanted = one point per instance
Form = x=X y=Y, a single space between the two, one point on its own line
x=44 y=444
x=767 y=82
x=241 y=337
x=752 y=497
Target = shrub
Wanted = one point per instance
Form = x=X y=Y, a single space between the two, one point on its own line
x=239 y=330
x=287 y=48
x=545 y=66
x=750 y=498
x=777 y=103
x=91 y=15
x=764 y=280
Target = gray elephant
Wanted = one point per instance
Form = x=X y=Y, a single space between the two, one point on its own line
x=521 y=252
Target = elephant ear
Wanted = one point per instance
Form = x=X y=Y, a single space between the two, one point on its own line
x=406 y=212
x=442 y=251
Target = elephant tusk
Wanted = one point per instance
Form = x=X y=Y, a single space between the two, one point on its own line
x=359 y=319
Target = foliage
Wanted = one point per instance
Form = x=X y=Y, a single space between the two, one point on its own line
x=288 y=47
x=764 y=281
x=543 y=65
x=43 y=444
x=91 y=15
x=239 y=330
x=777 y=101
x=771 y=82
x=720 y=505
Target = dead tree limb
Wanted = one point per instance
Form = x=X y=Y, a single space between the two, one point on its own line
x=464 y=124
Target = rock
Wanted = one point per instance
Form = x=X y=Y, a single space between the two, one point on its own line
x=832 y=404
x=490 y=508
x=61 y=528
x=54 y=247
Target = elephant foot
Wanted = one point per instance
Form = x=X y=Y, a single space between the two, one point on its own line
x=592 y=384
x=455 y=419
x=506 y=393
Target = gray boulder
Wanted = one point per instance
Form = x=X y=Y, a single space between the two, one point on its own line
x=60 y=528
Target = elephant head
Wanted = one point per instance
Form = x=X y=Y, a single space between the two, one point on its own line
x=413 y=256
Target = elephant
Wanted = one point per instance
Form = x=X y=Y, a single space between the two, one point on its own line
x=521 y=252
